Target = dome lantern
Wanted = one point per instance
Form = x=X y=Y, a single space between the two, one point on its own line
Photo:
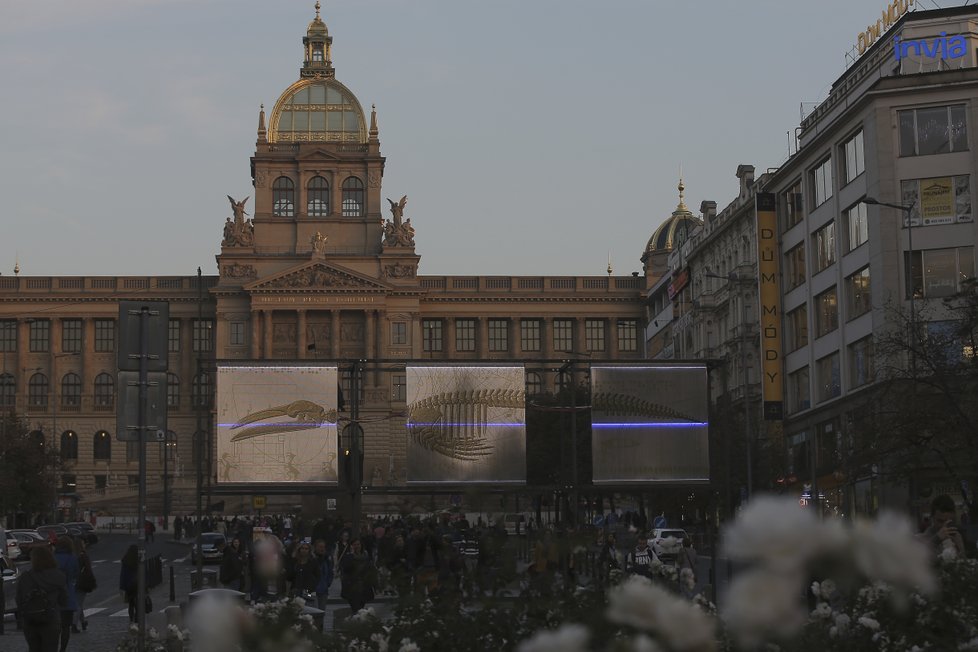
x=318 y=47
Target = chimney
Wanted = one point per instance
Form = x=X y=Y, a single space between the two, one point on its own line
x=708 y=209
x=746 y=175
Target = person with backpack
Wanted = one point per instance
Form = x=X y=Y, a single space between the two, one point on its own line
x=86 y=584
x=42 y=592
x=64 y=554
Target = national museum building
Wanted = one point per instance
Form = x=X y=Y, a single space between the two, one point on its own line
x=320 y=265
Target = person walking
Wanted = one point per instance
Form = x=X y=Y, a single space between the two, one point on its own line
x=641 y=558
x=304 y=571
x=128 y=579
x=358 y=576
x=41 y=594
x=324 y=559
x=64 y=554
x=233 y=566
x=177 y=528
x=86 y=584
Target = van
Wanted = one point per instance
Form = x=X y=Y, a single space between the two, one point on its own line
x=514 y=524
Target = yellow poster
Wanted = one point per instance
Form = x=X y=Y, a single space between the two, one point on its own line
x=937 y=200
x=768 y=268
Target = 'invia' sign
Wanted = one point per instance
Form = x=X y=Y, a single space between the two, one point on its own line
x=942 y=47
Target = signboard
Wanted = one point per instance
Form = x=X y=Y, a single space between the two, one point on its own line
x=681 y=280
x=127 y=407
x=893 y=11
x=649 y=424
x=156 y=337
x=276 y=424
x=768 y=275
x=259 y=502
x=938 y=200
x=466 y=424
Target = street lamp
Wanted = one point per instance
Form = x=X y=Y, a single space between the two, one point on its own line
x=908 y=209
x=734 y=278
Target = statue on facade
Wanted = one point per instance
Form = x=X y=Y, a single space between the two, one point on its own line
x=398 y=232
x=318 y=243
x=240 y=232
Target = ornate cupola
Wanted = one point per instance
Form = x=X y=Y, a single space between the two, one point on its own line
x=675 y=230
x=318 y=44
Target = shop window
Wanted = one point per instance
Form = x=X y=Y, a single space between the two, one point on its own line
x=933 y=130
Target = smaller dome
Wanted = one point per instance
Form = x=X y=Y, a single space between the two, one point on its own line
x=675 y=229
x=316 y=27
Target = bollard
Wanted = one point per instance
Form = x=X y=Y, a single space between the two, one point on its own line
x=173 y=588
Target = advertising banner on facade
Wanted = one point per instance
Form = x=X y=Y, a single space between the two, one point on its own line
x=276 y=424
x=466 y=424
x=769 y=289
x=649 y=424
x=938 y=200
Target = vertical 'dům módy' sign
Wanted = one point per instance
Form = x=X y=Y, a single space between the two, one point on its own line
x=768 y=273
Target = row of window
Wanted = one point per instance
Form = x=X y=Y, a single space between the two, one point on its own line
x=562 y=335
x=857 y=288
x=824 y=245
x=828 y=376
x=317 y=197
x=38 y=390
x=101 y=449
x=39 y=339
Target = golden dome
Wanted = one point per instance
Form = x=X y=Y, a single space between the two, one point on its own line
x=675 y=229
x=321 y=110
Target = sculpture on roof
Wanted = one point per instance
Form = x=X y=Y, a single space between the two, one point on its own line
x=398 y=232
x=318 y=243
x=240 y=232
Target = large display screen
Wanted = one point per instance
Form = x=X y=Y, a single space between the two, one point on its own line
x=466 y=424
x=649 y=424
x=276 y=424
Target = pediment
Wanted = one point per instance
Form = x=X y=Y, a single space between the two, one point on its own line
x=319 y=154
x=317 y=276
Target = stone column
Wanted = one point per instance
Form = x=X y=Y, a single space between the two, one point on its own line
x=612 y=337
x=482 y=336
x=255 y=334
x=187 y=355
x=334 y=334
x=370 y=345
x=301 y=333
x=87 y=348
x=546 y=337
x=267 y=334
x=580 y=339
x=512 y=335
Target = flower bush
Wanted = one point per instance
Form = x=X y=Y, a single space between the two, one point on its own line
x=803 y=584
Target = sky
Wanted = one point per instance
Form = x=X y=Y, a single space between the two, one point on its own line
x=532 y=137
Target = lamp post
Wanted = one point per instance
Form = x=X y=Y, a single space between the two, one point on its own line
x=908 y=210
x=54 y=407
x=748 y=439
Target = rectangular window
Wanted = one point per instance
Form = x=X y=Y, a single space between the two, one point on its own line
x=203 y=330
x=431 y=335
x=933 y=130
x=105 y=335
x=792 y=206
x=940 y=272
x=821 y=182
x=798 y=391
x=794 y=268
x=465 y=335
x=796 y=327
x=857 y=294
x=563 y=335
x=40 y=336
x=827 y=317
x=530 y=334
x=853 y=161
x=398 y=333
x=861 y=370
x=101 y=481
x=594 y=334
x=173 y=336
x=857 y=225
x=499 y=335
x=71 y=336
x=628 y=335
x=823 y=245
x=398 y=387
x=829 y=377
x=8 y=335
x=236 y=333
x=937 y=200
x=172 y=391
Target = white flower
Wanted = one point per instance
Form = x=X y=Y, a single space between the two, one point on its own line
x=869 y=623
x=639 y=603
x=407 y=645
x=761 y=603
x=948 y=553
x=886 y=550
x=842 y=622
x=821 y=611
x=782 y=535
x=380 y=640
x=642 y=643
x=568 y=638
x=686 y=579
x=214 y=622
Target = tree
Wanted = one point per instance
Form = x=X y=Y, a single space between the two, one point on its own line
x=28 y=469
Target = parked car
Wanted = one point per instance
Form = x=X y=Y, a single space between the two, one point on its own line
x=28 y=540
x=667 y=543
x=13 y=550
x=208 y=546
x=11 y=574
x=86 y=531
x=52 y=532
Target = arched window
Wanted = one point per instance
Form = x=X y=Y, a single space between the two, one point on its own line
x=70 y=390
x=102 y=446
x=69 y=445
x=318 y=204
x=352 y=197
x=534 y=385
x=37 y=390
x=201 y=390
x=172 y=390
x=8 y=390
x=283 y=197
x=104 y=391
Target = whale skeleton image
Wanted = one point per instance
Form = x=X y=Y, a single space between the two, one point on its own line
x=454 y=424
x=307 y=415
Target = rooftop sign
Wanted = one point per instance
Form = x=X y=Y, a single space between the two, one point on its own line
x=890 y=15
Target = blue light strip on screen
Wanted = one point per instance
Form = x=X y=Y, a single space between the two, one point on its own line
x=653 y=424
x=278 y=425
x=631 y=368
x=463 y=424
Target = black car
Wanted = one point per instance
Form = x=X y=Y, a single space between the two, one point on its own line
x=85 y=531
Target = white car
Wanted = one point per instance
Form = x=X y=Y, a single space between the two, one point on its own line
x=667 y=543
x=13 y=547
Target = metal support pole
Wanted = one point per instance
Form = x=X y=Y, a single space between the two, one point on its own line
x=166 y=474
x=748 y=439
x=573 y=489
x=199 y=441
x=141 y=442
x=356 y=448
